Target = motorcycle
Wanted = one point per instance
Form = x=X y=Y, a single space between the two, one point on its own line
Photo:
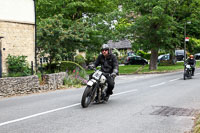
x=187 y=71
x=96 y=89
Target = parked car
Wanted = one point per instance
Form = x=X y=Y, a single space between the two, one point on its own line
x=179 y=55
x=131 y=53
x=135 y=60
x=163 y=57
x=197 y=56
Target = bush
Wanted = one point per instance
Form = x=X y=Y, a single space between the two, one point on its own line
x=147 y=55
x=75 y=79
x=68 y=66
x=121 y=59
x=18 y=66
x=80 y=60
x=90 y=57
x=50 y=68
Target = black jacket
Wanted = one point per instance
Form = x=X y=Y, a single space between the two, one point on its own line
x=108 y=64
x=191 y=61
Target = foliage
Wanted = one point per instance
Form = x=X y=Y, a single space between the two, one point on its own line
x=80 y=59
x=159 y=24
x=147 y=55
x=193 y=45
x=87 y=24
x=58 y=43
x=17 y=66
x=73 y=9
x=80 y=24
x=69 y=66
x=196 y=128
x=116 y=52
x=90 y=57
x=63 y=66
x=121 y=55
x=75 y=79
x=49 y=35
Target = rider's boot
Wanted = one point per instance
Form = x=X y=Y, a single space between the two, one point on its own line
x=108 y=95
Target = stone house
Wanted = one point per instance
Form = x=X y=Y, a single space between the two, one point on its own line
x=120 y=45
x=17 y=30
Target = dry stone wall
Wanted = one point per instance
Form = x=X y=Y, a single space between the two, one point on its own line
x=25 y=85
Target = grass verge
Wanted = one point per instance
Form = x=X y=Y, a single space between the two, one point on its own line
x=196 y=128
x=140 y=69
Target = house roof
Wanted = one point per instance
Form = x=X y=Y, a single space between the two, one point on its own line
x=123 y=44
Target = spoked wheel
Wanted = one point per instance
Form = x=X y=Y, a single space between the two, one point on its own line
x=87 y=97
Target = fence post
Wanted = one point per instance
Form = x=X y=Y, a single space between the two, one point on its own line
x=32 y=67
x=41 y=66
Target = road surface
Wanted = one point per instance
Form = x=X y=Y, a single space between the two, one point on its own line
x=146 y=103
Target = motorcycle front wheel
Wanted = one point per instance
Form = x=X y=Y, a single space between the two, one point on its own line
x=87 y=97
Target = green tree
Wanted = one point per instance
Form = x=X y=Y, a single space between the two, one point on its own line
x=67 y=25
x=74 y=9
x=158 y=24
x=57 y=42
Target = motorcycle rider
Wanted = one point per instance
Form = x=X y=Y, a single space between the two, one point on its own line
x=109 y=64
x=192 y=62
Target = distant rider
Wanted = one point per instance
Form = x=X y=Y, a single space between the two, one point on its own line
x=192 y=62
x=109 y=64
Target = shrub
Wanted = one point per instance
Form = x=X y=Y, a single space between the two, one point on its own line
x=75 y=79
x=69 y=66
x=147 y=55
x=17 y=66
x=80 y=60
x=90 y=57
x=50 y=68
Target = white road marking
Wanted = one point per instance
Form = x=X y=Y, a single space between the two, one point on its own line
x=124 y=92
x=53 y=110
x=174 y=80
x=38 y=114
x=158 y=84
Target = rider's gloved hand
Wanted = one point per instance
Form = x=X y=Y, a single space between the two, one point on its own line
x=113 y=75
x=91 y=66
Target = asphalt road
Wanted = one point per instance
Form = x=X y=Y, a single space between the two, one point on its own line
x=149 y=103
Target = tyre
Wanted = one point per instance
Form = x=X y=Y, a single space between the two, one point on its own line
x=87 y=97
x=190 y=74
x=184 y=75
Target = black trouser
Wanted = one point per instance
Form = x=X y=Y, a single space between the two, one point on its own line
x=193 y=69
x=111 y=84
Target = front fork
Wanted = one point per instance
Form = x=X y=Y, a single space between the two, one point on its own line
x=94 y=90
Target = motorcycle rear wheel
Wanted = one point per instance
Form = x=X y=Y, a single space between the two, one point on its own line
x=184 y=76
x=87 y=97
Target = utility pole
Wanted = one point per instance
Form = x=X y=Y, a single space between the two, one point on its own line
x=185 y=42
x=185 y=30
